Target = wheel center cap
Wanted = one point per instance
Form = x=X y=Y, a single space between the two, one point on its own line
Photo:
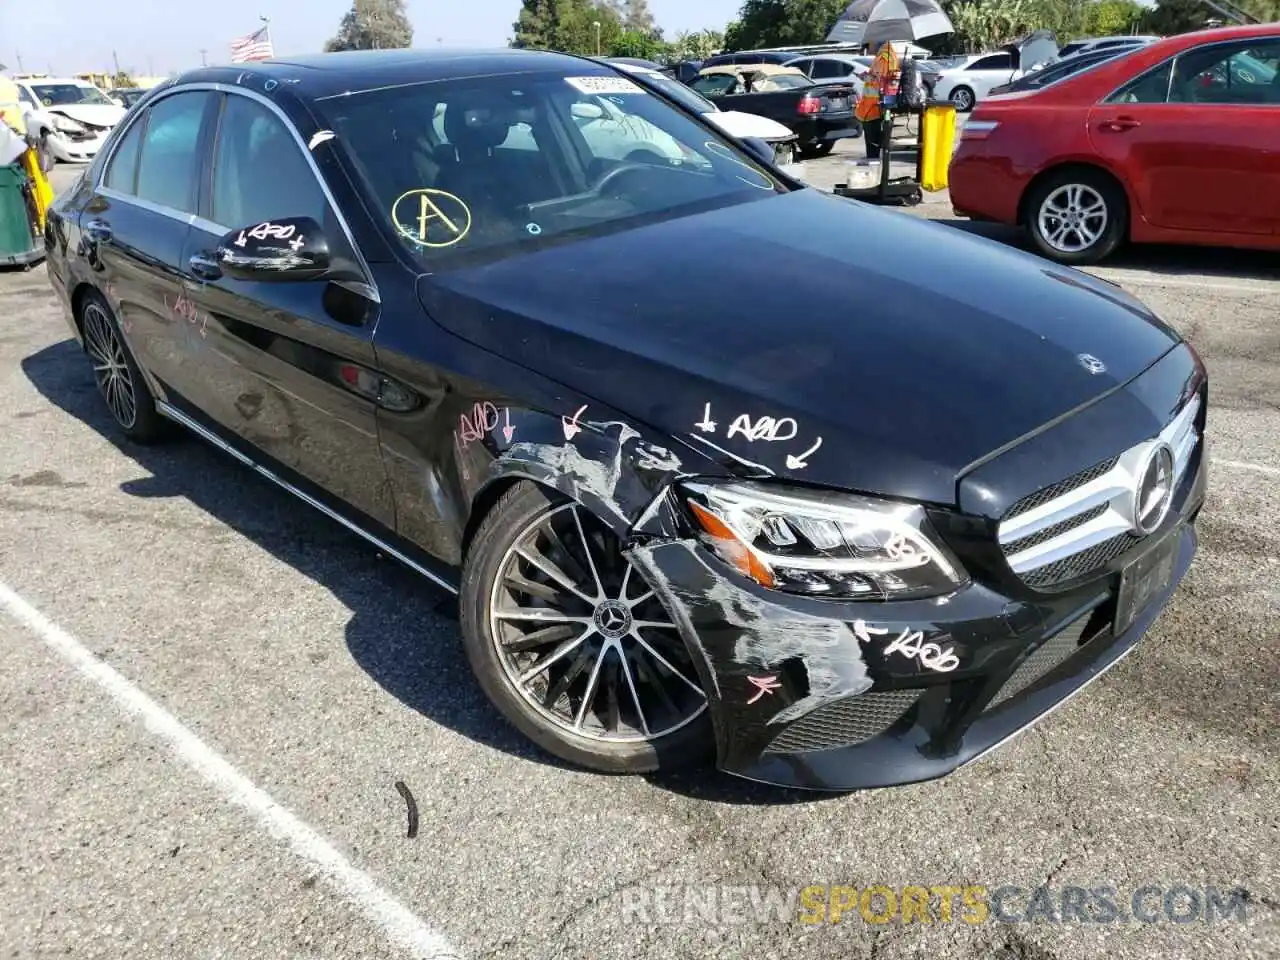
x=613 y=619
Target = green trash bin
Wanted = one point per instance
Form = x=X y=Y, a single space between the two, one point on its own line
x=19 y=244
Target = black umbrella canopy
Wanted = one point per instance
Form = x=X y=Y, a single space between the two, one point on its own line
x=871 y=21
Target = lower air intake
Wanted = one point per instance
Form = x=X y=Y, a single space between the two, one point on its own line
x=1046 y=657
x=845 y=723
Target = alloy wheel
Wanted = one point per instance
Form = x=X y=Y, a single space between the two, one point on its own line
x=963 y=99
x=1073 y=218
x=110 y=369
x=583 y=639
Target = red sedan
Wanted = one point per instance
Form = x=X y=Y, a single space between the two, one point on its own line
x=1178 y=142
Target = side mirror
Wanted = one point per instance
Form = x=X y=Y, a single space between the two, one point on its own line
x=759 y=149
x=293 y=248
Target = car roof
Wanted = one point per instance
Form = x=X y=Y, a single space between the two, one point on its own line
x=320 y=75
x=842 y=57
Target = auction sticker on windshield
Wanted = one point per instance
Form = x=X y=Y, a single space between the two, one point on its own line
x=602 y=86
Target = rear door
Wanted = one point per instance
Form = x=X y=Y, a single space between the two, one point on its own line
x=1198 y=138
x=136 y=224
x=288 y=367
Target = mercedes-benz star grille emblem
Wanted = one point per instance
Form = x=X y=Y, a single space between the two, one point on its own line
x=1092 y=363
x=1153 y=493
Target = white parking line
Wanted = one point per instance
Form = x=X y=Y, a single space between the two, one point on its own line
x=400 y=925
x=1242 y=465
x=1146 y=279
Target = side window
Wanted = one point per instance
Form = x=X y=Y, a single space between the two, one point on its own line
x=168 y=165
x=1242 y=73
x=716 y=84
x=997 y=61
x=823 y=69
x=122 y=174
x=24 y=96
x=259 y=171
x=1151 y=87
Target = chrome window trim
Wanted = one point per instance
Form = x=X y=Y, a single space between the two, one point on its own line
x=1113 y=490
x=177 y=416
x=1275 y=37
x=217 y=228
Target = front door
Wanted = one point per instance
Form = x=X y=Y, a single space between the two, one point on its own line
x=1198 y=138
x=288 y=366
x=136 y=225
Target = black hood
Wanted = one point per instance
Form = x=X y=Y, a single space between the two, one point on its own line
x=910 y=348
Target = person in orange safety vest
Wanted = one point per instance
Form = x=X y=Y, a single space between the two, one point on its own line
x=881 y=81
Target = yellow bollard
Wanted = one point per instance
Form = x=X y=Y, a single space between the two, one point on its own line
x=40 y=188
x=937 y=139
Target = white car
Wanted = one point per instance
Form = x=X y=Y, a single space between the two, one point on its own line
x=71 y=118
x=733 y=122
x=966 y=80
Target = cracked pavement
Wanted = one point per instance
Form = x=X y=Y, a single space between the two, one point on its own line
x=325 y=674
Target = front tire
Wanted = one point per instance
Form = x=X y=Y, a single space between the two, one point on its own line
x=119 y=381
x=963 y=98
x=1076 y=216
x=572 y=645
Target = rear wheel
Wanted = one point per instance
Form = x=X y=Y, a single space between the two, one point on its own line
x=118 y=378
x=1076 y=216
x=572 y=645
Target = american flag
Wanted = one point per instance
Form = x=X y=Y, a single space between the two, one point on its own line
x=256 y=46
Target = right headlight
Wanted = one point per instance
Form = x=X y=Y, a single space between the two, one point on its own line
x=66 y=124
x=821 y=543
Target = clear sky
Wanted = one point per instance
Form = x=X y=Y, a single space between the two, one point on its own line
x=159 y=36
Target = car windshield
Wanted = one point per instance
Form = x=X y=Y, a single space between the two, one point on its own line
x=460 y=167
x=683 y=95
x=65 y=94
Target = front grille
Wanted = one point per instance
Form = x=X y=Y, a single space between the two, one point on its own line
x=1077 y=526
x=1078 y=564
x=845 y=723
x=1048 y=655
x=1043 y=496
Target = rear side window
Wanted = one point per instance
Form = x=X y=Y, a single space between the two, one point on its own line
x=997 y=61
x=830 y=68
x=259 y=172
x=1151 y=87
x=122 y=174
x=168 y=164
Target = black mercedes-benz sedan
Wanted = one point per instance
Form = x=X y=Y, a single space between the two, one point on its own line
x=535 y=331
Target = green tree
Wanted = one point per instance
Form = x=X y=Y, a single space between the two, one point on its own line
x=373 y=25
x=637 y=18
x=697 y=44
x=639 y=43
x=568 y=26
x=779 y=23
x=1111 y=18
x=1177 y=16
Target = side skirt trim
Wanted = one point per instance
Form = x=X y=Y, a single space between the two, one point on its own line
x=181 y=418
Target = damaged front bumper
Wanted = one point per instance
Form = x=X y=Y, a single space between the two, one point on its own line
x=833 y=695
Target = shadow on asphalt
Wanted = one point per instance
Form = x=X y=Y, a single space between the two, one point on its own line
x=403 y=630
x=1162 y=260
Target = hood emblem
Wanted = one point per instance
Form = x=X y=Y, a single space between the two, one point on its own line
x=1091 y=363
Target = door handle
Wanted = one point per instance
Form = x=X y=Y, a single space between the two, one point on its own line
x=1120 y=123
x=99 y=231
x=204 y=266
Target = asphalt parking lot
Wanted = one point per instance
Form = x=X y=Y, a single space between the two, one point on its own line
x=210 y=693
